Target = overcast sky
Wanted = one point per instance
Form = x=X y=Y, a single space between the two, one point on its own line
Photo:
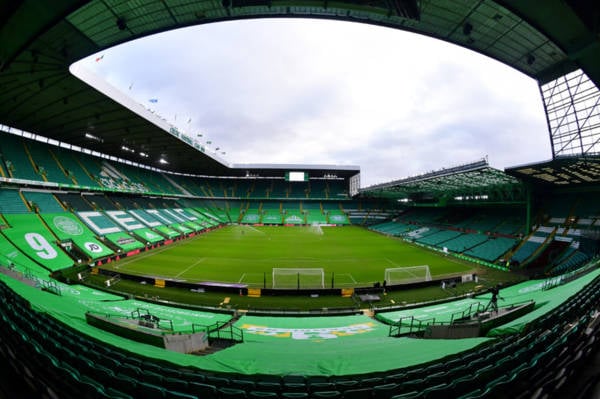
x=323 y=92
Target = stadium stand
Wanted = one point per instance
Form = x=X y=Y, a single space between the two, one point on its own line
x=12 y=202
x=47 y=166
x=49 y=350
x=492 y=249
x=293 y=217
x=534 y=359
x=278 y=189
x=43 y=201
x=74 y=202
x=465 y=242
x=67 y=228
x=29 y=234
x=318 y=189
x=18 y=163
x=71 y=163
x=315 y=217
x=99 y=201
x=272 y=216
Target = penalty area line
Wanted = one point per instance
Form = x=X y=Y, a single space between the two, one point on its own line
x=188 y=268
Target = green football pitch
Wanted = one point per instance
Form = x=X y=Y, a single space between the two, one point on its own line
x=350 y=256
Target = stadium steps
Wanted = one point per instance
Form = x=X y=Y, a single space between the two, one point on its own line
x=33 y=163
x=25 y=201
x=68 y=176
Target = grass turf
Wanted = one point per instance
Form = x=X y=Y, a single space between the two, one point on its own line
x=246 y=254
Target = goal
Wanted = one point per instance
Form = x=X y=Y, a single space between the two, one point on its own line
x=407 y=274
x=293 y=278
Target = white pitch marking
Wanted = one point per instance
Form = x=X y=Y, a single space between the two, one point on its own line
x=188 y=268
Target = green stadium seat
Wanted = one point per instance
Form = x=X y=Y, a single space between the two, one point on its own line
x=497 y=388
x=262 y=395
x=385 y=391
x=358 y=393
x=344 y=384
x=232 y=393
x=327 y=394
x=371 y=381
x=408 y=395
x=192 y=376
x=294 y=395
x=150 y=391
x=217 y=381
x=475 y=394
x=94 y=387
x=103 y=375
x=201 y=390
x=293 y=378
x=116 y=394
x=321 y=386
x=295 y=387
x=125 y=383
x=245 y=384
x=131 y=370
x=179 y=395
x=268 y=386
x=439 y=391
x=436 y=378
x=175 y=384
x=395 y=377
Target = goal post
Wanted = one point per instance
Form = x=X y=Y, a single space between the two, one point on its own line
x=407 y=274
x=298 y=278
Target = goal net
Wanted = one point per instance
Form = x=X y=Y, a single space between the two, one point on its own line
x=407 y=274
x=292 y=278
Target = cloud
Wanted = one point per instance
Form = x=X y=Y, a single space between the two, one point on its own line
x=307 y=91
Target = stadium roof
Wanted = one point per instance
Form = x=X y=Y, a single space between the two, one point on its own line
x=561 y=171
x=39 y=41
x=470 y=181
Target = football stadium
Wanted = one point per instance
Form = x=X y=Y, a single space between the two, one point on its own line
x=126 y=276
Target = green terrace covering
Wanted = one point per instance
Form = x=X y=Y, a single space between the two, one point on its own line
x=67 y=227
x=99 y=222
x=316 y=217
x=203 y=219
x=182 y=228
x=169 y=232
x=193 y=226
x=221 y=215
x=31 y=236
x=545 y=300
x=329 y=346
x=272 y=216
x=124 y=241
x=336 y=345
x=360 y=346
x=293 y=217
x=148 y=235
x=145 y=217
x=9 y=254
x=338 y=217
x=251 y=216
